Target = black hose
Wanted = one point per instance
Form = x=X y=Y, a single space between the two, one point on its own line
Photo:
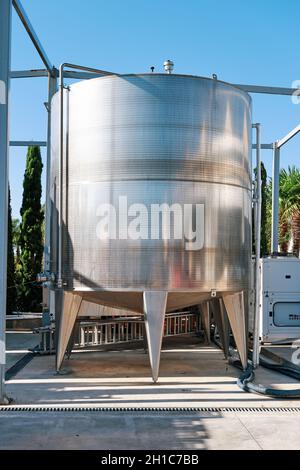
x=246 y=381
x=285 y=370
x=282 y=368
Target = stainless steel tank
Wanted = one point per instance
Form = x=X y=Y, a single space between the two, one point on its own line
x=153 y=139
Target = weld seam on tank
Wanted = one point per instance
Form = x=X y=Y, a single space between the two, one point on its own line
x=165 y=179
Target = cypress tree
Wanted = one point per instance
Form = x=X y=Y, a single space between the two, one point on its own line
x=265 y=236
x=265 y=219
x=16 y=242
x=31 y=243
x=11 y=278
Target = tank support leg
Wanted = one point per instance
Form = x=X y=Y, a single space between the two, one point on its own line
x=222 y=323
x=70 y=309
x=71 y=343
x=235 y=307
x=154 y=304
x=205 y=317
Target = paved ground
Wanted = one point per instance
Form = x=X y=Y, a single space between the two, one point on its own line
x=191 y=376
x=18 y=344
x=96 y=430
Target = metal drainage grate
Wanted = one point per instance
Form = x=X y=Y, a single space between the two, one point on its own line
x=29 y=408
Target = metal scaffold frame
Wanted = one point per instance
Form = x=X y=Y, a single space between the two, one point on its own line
x=80 y=72
x=5 y=35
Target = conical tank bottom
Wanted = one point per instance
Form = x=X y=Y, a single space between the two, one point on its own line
x=154 y=303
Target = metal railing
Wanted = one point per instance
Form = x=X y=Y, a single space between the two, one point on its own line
x=118 y=331
x=123 y=330
x=109 y=332
x=47 y=339
x=181 y=323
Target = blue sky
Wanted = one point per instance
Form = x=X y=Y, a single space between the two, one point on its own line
x=242 y=41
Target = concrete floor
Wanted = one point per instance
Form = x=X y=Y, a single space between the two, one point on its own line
x=18 y=344
x=191 y=376
x=147 y=430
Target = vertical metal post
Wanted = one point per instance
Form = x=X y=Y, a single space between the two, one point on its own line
x=61 y=178
x=5 y=43
x=256 y=342
x=275 y=197
x=52 y=88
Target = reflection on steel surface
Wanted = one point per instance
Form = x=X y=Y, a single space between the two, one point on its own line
x=154 y=138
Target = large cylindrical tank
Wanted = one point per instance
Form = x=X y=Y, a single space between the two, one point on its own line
x=153 y=139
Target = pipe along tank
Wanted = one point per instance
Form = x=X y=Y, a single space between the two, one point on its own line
x=156 y=201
